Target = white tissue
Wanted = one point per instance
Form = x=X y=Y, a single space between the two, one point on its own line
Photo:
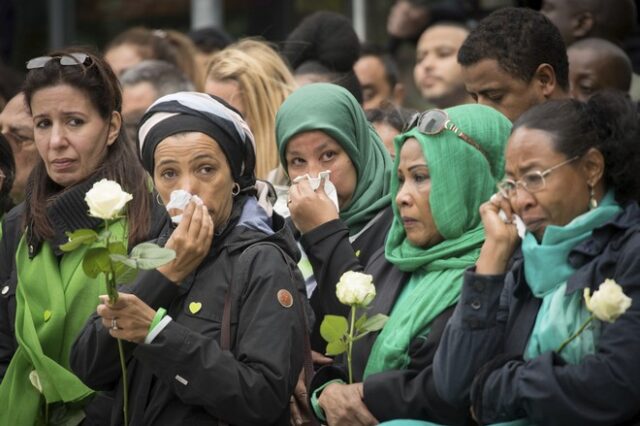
x=329 y=187
x=179 y=200
x=520 y=226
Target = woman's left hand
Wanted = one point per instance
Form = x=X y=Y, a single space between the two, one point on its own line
x=132 y=317
x=343 y=405
x=310 y=209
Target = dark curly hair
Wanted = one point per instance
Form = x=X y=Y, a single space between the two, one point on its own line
x=608 y=122
x=520 y=40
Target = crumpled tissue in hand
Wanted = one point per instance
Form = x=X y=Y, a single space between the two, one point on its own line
x=179 y=200
x=329 y=187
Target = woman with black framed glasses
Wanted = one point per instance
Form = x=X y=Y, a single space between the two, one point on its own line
x=510 y=349
x=75 y=101
x=440 y=182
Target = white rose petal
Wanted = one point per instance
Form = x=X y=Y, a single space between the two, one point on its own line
x=35 y=380
x=608 y=302
x=106 y=199
x=355 y=288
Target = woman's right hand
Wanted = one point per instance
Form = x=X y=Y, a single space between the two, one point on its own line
x=501 y=238
x=191 y=241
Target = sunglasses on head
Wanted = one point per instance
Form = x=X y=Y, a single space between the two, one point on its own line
x=67 y=59
x=434 y=121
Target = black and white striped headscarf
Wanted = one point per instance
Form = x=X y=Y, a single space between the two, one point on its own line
x=198 y=112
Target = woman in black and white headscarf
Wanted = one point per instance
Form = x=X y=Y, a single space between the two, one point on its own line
x=217 y=334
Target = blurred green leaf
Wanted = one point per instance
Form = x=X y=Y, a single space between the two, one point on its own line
x=96 y=260
x=78 y=238
x=125 y=260
x=117 y=247
x=124 y=273
x=333 y=328
x=360 y=321
x=151 y=256
x=374 y=323
x=336 y=347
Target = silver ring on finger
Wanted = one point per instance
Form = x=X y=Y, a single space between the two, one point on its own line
x=114 y=324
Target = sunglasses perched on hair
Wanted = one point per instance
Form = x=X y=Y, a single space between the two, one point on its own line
x=67 y=59
x=434 y=121
x=531 y=182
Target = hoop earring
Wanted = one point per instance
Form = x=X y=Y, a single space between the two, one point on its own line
x=236 y=189
x=158 y=200
x=593 y=203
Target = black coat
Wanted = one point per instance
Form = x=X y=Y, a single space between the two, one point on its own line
x=490 y=328
x=183 y=376
x=398 y=394
x=331 y=254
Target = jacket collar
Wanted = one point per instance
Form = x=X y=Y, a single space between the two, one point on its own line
x=626 y=221
x=67 y=211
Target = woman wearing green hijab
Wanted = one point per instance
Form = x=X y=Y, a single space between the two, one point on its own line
x=447 y=166
x=322 y=127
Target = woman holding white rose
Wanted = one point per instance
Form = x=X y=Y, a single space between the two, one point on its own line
x=216 y=335
x=447 y=165
x=322 y=127
x=517 y=349
x=75 y=101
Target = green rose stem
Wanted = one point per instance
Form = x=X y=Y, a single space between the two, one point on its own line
x=576 y=334
x=350 y=342
x=112 y=292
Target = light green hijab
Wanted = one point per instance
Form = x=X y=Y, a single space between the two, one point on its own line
x=334 y=111
x=462 y=178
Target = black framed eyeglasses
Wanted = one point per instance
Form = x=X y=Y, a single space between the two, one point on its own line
x=532 y=182
x=66 y=59
x=434 y=121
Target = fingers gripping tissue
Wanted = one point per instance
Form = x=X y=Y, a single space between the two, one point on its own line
x=178 y=202
x=329 y=187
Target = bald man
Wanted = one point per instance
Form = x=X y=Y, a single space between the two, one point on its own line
x=596 y=64
x=16 y=125
x=612 y=20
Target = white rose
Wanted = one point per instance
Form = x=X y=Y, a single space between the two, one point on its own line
x=355 y=288
x=106 y=199
x=35 y=380
x=608 y=302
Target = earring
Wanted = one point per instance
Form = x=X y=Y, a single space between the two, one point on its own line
x=158 y=200
x=593 y=203
x=236 y=189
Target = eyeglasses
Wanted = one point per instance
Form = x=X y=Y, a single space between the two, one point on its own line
x=67 y=59
x=531 y=182
x=434 y=121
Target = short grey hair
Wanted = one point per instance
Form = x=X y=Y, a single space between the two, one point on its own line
x=165 y=78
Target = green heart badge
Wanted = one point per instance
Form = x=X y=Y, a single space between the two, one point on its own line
x=195 y=307
x=47 y=315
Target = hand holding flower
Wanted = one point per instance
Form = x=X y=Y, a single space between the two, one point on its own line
x=106 y=200
x=354 y=289
x=606 y=304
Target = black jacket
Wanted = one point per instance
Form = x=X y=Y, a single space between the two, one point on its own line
x=490 y=329
x=183 y=376
x=398 y=394
x=331 y=254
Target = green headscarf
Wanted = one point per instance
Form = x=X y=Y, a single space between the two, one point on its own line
x=462 y=178
x=334 y=111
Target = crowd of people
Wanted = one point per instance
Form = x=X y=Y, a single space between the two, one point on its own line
x=499 y=224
